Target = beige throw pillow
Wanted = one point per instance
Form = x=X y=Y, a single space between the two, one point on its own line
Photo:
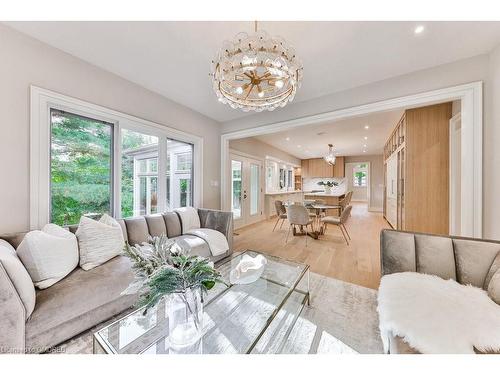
x=99 y=241
x=18 y=275
x=48 y=254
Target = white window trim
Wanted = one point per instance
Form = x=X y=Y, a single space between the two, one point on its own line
x=43 y=100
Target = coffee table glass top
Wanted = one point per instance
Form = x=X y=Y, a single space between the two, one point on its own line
x=251 y=318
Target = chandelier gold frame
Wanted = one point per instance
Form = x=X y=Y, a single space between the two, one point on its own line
x=256 y=72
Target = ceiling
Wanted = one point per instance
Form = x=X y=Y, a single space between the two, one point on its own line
x=173 y=58
x=347 y=136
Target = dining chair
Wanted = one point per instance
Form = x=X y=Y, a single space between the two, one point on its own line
x=297 y=214
x=340 y=222
x=280 y=212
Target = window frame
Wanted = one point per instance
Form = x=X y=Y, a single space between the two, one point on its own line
x=364 y=169
x=42 y=101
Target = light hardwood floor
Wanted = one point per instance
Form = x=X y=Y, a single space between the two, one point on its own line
x=358 y=263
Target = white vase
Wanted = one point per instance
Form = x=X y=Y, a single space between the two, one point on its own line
x=185 y=317
x=328 y=189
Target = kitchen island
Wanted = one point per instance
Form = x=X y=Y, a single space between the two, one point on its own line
x=284 y=196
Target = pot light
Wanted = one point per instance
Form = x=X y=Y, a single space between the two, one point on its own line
x=299 y=146
x=419 y=29
x=364 y=145
x=364 y=150
x=287 y=138
x=367 y=127
x=366 y=138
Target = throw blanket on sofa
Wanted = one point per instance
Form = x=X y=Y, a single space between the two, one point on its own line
x=191 y=225
x=437 y=316
x=189 y=218
x=215 y=240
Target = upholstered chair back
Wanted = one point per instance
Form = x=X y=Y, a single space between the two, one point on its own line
x=297 y=214
x=280 y=208
x=345 y=214
x=466 y=260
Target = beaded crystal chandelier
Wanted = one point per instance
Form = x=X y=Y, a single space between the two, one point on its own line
x=256 y=72
x=330 y=157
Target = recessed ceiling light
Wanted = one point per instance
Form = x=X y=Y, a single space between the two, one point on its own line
x=287 y=138
x=364 y=150
x=299 y=146
x=367 y=127
x=366 y=138
x=419 y=29
x=364 y=145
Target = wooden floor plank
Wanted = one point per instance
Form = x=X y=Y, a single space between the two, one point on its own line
x=358 y=263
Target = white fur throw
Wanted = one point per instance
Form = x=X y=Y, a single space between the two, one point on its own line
x=437 y=316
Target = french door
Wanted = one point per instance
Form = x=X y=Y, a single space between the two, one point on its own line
x=246 y=190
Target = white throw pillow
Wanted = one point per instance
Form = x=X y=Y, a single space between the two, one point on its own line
x=99 y=241
x=48 y=255
x=18 y=276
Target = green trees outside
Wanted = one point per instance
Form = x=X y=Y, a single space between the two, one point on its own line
x=81 y=167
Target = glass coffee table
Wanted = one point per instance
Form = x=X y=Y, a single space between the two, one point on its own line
x=251 y=318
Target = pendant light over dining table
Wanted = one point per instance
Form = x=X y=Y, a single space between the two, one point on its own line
x=330 y=157
x=256 y=72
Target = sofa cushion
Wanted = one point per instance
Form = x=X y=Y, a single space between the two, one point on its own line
x=72 y=305
x=173 y=224
x=495 y=266
x=18 y=275
x=399 y=252
x=474 y=259
x=137 y=230
x=99 y=241
x=156 y=225
x=49 y=254
x=435 y=256
x=494 y=287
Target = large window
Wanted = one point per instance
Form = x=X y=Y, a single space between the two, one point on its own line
x=81 y=170
x=80 y=167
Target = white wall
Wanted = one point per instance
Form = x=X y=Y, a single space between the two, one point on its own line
x=261 y=149
x=25 y=61
x=491 y=149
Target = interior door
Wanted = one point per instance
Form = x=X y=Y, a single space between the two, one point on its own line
x=246 y=190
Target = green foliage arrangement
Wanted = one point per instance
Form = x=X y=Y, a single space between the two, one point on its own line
x=163 y=268
x=328 y=183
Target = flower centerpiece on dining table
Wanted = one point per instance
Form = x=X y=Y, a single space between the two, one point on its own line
x=328 y=185
x=164 y=269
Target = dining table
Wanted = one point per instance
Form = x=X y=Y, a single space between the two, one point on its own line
x=317 y=225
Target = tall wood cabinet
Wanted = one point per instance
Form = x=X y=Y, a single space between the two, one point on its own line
x=318 y=167
x=416 y=158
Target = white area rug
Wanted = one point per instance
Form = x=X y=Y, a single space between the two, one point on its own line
x=342 y=319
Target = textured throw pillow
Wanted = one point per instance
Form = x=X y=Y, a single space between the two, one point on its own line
x=99 y=241
x=48 y=254
x=494 y=287
x=18 y=275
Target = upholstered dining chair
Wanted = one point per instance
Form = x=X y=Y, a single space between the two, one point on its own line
x=340 y=222
x=298 y=214
x=280 y=212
